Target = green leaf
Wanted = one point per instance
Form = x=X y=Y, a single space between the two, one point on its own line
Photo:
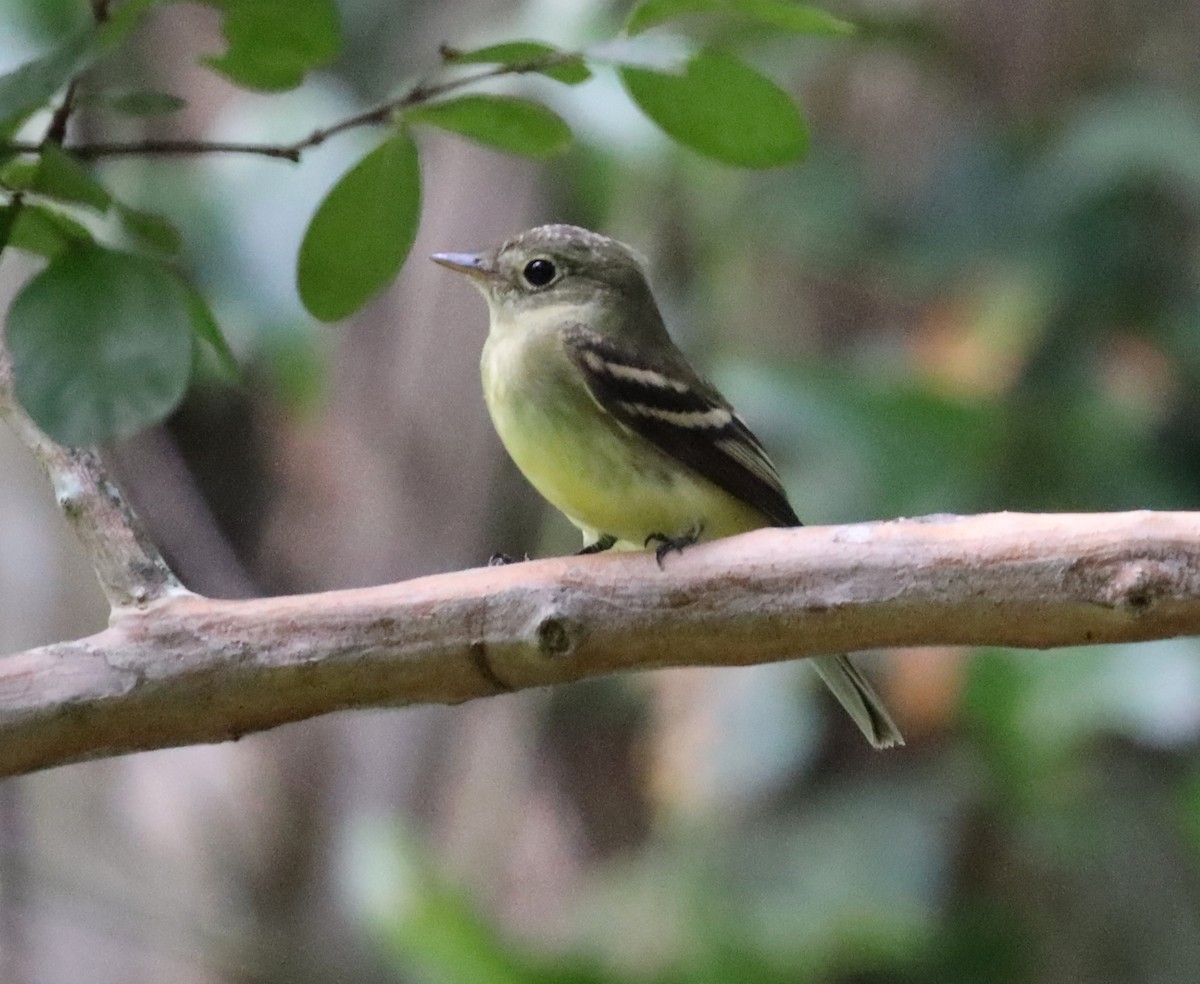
x=572 y=71
x=46 y=18
x=724 y=109
x=62 y=177
x=274 y=43
x=144 y=103
x=151 y=229
x=651 y=13
x=31 y=86
x=206 y=329
x=362 y=231
x=796 y=18
x=516 y=126
x=101 y=344
x=19 y=174
x=122 y=19
x=46 y=231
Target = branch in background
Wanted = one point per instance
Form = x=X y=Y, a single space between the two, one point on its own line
x=378 y=115
x=56 y=132
x=191 y=669
x=129 y=566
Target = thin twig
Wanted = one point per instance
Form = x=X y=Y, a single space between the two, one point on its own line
x=56 y=132
x=169 y=148
x=383 y=113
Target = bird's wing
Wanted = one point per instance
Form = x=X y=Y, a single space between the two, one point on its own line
x=682 y=416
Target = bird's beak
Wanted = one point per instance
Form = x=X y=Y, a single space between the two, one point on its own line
x=472 y=264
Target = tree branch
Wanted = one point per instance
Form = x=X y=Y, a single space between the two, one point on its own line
x=130 y=568
x=383 y=113
x=188 y=669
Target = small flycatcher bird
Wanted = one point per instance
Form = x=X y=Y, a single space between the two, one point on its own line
x=611 y=424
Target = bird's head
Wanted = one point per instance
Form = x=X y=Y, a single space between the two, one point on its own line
x=560 y=271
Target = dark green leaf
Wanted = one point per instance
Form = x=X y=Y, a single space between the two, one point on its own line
x=151 y=229
x=274 y=43
x=724 y=109
x=101 y=344
x=61 y=176
x=33 y=85
x=797 y=18
x=362 y=231
x=145 y=103
x=504 y=122
x=45 y=231
x=572 y=71
x=207 y=330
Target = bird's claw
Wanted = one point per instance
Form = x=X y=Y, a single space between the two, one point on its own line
x=606 y=542
x=672 y=544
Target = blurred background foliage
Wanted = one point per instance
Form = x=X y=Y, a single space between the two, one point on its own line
x=981 y=291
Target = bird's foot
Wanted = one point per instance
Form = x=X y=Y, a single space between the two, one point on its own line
x=605 y=542
x=669 y=544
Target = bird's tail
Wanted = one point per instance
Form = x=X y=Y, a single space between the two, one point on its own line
x=859 y=699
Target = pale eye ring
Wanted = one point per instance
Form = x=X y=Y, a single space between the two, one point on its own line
x=539 y=272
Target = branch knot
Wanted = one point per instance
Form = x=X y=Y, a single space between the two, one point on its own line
x=1138 y=585
x=556 y=636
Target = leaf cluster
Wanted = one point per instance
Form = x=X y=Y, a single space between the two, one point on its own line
x=103 y=338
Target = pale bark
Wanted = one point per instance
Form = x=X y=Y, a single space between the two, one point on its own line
x=186 y=669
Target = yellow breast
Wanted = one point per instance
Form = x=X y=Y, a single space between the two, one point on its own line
x=602 y=476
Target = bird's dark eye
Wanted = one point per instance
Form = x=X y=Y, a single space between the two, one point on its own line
x=539 y=272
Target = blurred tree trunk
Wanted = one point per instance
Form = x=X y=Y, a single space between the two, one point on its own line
x=226 y=863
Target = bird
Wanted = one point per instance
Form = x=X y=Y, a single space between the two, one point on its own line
x=611 y=424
